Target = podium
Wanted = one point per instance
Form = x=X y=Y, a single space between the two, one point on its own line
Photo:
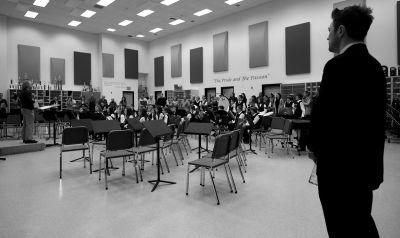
x=50 y=115
x=157 y=129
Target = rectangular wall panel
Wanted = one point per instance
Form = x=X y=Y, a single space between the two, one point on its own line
x=176 y=61
x=347 y=3
x=108 y=65
x=131 y=64
x=398 y=33
x=258 y=45
x=220 y=51
x=159 y=71
x=297 y=39
x=196 y=65
x=29 y=63
x=82 y=68
x=57 y=70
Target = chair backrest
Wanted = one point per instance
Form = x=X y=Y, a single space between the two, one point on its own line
x=234 y=142
x=287 y=128
x=83 y=122
x=221 y=145
x=171 y=135
x=75 y=135
x=277 y=123
x=181 y=128
x=146 y=138
x=119 y=140
x=266 y=122
x=39 y=117
x=13 y=119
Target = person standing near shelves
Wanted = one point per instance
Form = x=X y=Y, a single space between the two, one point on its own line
x=27 y=110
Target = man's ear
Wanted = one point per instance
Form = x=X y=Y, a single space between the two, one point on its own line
x=341 y=30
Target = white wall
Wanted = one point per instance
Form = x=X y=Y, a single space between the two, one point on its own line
x=53 y=42
x=279 y=14
x=113 y=87
x=4 y=82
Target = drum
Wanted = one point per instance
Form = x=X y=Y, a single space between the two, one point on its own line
x=223 y=101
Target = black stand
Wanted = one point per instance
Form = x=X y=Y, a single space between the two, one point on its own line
x=51 y=116
x=3 y=159
x=158 y=180
x=157 y=129
x=250 y=149
x=54 y=135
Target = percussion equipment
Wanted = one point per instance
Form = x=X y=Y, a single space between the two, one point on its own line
x=223 y=101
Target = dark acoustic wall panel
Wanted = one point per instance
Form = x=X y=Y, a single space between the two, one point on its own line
x=176 y=61
x=347 y=3
x=82 y=68
x=131 y=64
x=398 y=33
x=298 y=49
x=159 y=71
x=196 y=65
x=108 y=65
x=28 y=63
x=57 y=70
x=220 y=52
x=258 y=45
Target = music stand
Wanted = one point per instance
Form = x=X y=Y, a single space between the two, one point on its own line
x=157 y=129
x=248 y=117
x=136 y=126
x=50 y=116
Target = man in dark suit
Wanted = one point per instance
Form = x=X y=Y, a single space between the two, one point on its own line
x=348 y=148
x=27 y=112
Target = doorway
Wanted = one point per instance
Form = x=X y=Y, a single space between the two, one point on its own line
x=210 y=92
x=130 y=97
x=227 y=91
x=157 y=94
x=267 y=89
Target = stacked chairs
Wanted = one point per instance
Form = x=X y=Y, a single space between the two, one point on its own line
x=119 y=145
x=75 y=139
x=281 y=130
x=220 y=157
x=234 y=151
x=167 y=143
x=180 y=140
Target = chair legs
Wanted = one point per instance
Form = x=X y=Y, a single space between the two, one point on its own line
x=215 y=190
x=60 y=164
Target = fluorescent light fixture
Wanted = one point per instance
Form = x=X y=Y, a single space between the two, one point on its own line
x=231 y=2
x=145 y=13
x=169 y=2
x=111 y=29
x=41 y=3
x=74 y=23
x=105 y=3
x=202 y=12
x=176 y=22
x=88 y=14
x=125 y=22
x=31 y=14
x=140 y=36
x=155 y=30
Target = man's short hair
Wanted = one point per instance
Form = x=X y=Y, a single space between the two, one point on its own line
x=355 y=19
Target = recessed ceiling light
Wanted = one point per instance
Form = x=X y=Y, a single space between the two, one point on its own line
x=231 y=2
x=31 y=14
x=41 y=3
x=125 y=22
x=74 y=23
x=111 y=29
x=176 y=22
x=88 y=14
x=202 y=12
x=155 y=30
x=140 y=36
x=105 y=3
x=145 y=13
x=169 y=2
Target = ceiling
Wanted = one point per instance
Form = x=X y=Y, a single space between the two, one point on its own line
x=61 y=12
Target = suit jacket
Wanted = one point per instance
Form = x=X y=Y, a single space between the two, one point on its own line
x=349 y=146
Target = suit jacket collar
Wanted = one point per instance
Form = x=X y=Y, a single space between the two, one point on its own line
x=355 y=47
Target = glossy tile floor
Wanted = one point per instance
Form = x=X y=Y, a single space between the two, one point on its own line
x=275 y=201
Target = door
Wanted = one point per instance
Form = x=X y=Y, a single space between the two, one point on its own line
x=129 y=95
x=267 y=89
x=227 y=91
x=210 y=92
x=157 y=94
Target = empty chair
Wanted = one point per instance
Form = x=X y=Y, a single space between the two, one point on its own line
x=119 y=145
x=284 y=137
x=219 y=158
x=75 y=139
